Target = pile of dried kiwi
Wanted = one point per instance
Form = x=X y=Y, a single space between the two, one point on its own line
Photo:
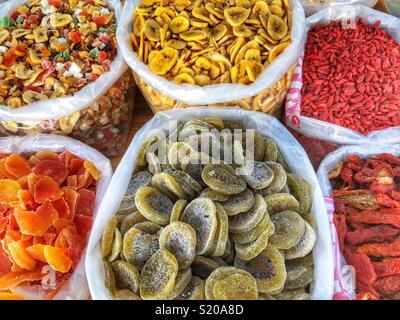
x=187 y=230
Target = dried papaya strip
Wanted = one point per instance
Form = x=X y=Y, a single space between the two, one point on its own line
x=9 y=190
x=376 y=234
x=85 y=204
x=365 y=271
x=52 y=168
x=388 y=285
x=381 y=250
x=17 y=166
x=374 y=217
x=46 y=155
x=387 y=267
x=46 y=189
x=13 y=279
x=89 y=166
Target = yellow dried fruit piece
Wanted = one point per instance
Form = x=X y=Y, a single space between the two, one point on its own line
x=202 y=267
x=221 y=235
x=182 y=280
x=164 y=60
x=250 y=250
x=158 y=276
x=193 y=35
x=136 y=248
x=236 y=287
x=193 y=291
x=277 y=50
x=253 y=69
x=126 y=275
x=30 y=96
x=179 y=24
x=236 y=15
x=108 y=236
x=116 y=246
x=268 y=268
x=254 y=233
x=58 y=20
x=183 y=78
x=4 y=34
x=177 y=210
x=180 y=239
x=277 y=28
x=151 y=30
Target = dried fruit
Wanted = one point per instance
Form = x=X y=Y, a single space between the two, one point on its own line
x=158 y=276
x=289 y=228
x=126 y=276
x=221 y=178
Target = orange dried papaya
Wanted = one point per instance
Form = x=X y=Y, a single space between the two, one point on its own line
x=9 y=190
x=20 y=256
x=17 y=166
x=32 y=179
x=25 y=197
x=89 y=166
x=33 y=160
x=46 y=189
x=62 y=207
x=75 y=165
x=23 y=182
x=72 y=181
x=58 y=258
x=36 y=223
x=71 y=197
x=61 y=223
x=83 y=224
x=36 y=251
x=4 y=174
x=46 y=155
x=10 y=296
x=12 y=279
x=85 y=204
x=52 y=168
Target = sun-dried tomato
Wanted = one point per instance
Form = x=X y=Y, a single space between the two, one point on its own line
x=375 y=234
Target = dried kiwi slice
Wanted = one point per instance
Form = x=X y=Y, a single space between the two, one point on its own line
x=130 y=220
x=239 y=203
x=116 y=247
x=168 y=185
x=268 y=268
x=301 y=189
x=148 y=227
x=281 y=202
x=187 y=179
x=153 y=205
x=201 y=215
x=126 y=275
x=259 y=147
x=246 y=221
x=289 y=228
x=108 y=236
x=139 y=179
x=279 y=180
x=109 y=277
x=230 y=283
x=304 y=246
x=300 y=272
x=221 y=235
x=229 y=253
x=193 y=291
x=158 y=276
x=259 y=176
x=253 y=234
x=182 y=280
x=271 y=150
x=141 y=157
x=250 y=250
x=180 y=239
x=136 y=248
x=177 y=210
x=222 y=178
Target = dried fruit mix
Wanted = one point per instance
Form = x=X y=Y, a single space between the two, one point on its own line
x=54 y=48
x=367 y=219
x=46 y=213
x=351 y=76
x=189 y=230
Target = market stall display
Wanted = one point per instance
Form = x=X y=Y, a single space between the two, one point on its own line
x=346 y=87
x=184 y=54
x=61 y=71
x=143 y=214
x=50 y=188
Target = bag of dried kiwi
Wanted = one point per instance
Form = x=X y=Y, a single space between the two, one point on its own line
x=202 y=220
x=212 y=53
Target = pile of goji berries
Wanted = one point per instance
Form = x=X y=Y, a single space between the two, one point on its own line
x=351 y=77
x=366 y=193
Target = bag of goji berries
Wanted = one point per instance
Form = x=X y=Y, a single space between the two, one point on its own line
x=62 y=72
x=362 y=199
x=161 y=125
x=313 y=6
x=34 y=158
x=346 y=87
x=198 y=64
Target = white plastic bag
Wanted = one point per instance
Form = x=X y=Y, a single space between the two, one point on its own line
x=313 y=6
x=344 y=284
x=64 y=106
x=325 y=131
x=218 y=93
x=295 y=156
x=76 y=287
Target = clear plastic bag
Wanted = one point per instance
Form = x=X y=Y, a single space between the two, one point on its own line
x=266 y=93
x=99 y=114
x=75 y=288
x=324 y=131
x=322 y=287
x=344 y=282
